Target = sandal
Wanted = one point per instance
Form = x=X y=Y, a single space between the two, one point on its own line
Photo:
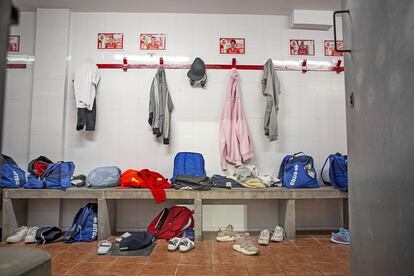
x=104 y=247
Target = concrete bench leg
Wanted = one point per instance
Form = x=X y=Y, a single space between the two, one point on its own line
x=287 y=217
x=106 y=218
x=198 y=213
x=14 y=215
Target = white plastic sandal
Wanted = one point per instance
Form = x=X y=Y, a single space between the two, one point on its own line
x=104 y=247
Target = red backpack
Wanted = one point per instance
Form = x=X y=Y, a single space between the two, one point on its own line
x=172 y=222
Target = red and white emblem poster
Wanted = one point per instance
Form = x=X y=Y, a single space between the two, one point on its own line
x=329 y=46
x=152 y=41
x=110 y=40
x=300 y=47
x=232 y=46
x=14 y=44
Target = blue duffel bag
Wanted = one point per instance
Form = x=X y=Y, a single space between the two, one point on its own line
x=12 y=176
x=104 y=177
x=338 y=171
x=298 y=171
x=56 y=176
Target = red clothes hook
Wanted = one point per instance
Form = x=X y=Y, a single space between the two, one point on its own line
x=124 y=64
x=161 y=61
x=304 y=66
x=338 y=67
x=233 y=63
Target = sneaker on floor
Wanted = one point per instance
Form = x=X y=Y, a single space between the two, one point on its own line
x=174 y=244
x=226 y=234
x=186 y=245
x=244 y=246
x=123 y=236
x=18 y=235
x=341 y=238
x=278 y=234
x=31 y=235
x=264 y=237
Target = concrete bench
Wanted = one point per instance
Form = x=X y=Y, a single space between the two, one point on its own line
x=15 y=203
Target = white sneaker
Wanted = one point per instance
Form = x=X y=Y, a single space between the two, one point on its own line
x=278 y=234
x=264 y=237
x=174 y=243
x=244 y=246
x=18 y=235
x=123 y=236
x=186 y=245
x=31 y=235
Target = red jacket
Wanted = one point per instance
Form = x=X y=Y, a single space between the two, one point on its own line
x=146 y=179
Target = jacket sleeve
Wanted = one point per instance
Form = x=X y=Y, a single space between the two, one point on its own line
x=151 y=108
x=167 y=118
x=223 y=148
x=243 y=134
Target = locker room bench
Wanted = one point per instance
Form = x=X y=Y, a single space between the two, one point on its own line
x=15 y=203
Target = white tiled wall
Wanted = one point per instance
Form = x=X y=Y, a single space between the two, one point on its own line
x=46 y=134
x=311 y=117
x=18 y=96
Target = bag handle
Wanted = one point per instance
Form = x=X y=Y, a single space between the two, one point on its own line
x=323 y=167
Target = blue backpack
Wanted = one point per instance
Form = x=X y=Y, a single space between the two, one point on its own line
x=85 y=225
x=12 y=176
x=338 y=171
x=189 y=163
x=298 y=171
x=56 y=176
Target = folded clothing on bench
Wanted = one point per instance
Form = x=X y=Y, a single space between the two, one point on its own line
x=191 y=182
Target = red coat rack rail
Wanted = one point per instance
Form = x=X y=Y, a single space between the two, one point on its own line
x=303 y=67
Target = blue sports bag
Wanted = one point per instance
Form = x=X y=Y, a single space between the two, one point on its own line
x=12 y=176
x=85 y=225
x=56 y=176
x=298 y=171
x=338 y=171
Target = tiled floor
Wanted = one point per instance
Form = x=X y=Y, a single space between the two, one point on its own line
x=307 y=255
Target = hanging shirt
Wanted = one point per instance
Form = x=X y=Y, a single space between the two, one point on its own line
x=86 y=79
x=236 y=145
x=271 y=89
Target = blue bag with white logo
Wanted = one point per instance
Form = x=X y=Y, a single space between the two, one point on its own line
x=338 y=171
x=12 y=176
x=298 y=171
x=56 y=176
x=85 y=225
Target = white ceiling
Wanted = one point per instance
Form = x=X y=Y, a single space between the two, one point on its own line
x=275 y=7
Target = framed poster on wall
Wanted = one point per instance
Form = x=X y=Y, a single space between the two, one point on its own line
x=302 y=47
x=152 y=41
x=13 y=45
x=110 y=41
x=232 y=46
x=329 y=47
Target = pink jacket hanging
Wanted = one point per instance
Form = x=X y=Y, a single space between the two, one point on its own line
x=236 y=145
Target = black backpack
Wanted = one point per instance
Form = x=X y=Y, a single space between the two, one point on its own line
x=47 y=234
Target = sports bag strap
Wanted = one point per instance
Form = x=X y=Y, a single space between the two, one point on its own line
x=301 y=152
x=70 y=234
x=323 y=167
x=341 y=166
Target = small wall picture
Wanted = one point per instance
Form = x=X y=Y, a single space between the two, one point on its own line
x=232 y=46
x=110 y=40
x=300 y=47
x=329 y=46
x=152 y=41
x=14 y=44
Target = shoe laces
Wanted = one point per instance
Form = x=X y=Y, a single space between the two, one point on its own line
x=185 y=242
x=32 y=230
x=19 y=229
x=174 y=241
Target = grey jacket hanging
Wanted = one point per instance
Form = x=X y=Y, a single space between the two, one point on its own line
x=160 y=107
x=271 y=89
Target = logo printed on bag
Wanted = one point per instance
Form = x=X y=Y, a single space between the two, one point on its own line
x=295 y=175
x=95 y=228
x=16 y=178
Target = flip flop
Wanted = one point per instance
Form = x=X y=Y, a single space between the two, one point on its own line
x=104 y=247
